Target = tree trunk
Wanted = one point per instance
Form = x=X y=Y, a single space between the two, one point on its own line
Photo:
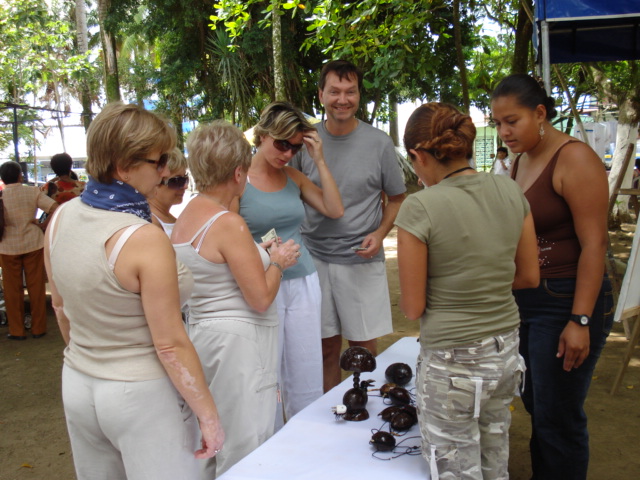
x=82 y=36
x=524 y=30
x=457 y=36
x=276 y=39
x=393 y=120
x=111 y=81
x=627 y=133
x=59 y=120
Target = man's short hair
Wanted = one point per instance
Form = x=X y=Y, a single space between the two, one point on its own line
x=503 y=150
x=10 y=172
x=61 y=164
x=343 y=69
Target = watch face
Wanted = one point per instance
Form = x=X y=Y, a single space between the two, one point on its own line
x=584 y=320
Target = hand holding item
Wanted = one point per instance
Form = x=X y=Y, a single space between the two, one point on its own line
x=370 y=246
x=285 y=254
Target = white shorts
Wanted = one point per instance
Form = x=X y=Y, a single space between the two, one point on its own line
x=355 y=300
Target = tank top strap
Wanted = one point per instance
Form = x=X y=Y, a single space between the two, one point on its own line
x=205 y=228
x=554 y=159
x=121 y=241
x=52 y=224
x=552 y=163
x=514 y=166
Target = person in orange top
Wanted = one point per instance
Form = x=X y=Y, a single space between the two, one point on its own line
x=63 y=187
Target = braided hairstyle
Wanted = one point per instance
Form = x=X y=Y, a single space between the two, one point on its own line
x=527 y=91
x=441 y=130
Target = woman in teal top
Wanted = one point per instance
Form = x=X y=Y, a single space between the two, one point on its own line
x=273 y=200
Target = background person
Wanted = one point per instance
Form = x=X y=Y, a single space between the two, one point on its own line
x=232 y=321
x=129 y=366
x=64 y=187
x=275 y=198
x=21 y=252
x=170 y=192
x=566 y=320
x=502 y=164
x=348 y=251
x=463 y=244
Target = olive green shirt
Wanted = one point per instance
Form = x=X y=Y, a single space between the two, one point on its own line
x=472 y=226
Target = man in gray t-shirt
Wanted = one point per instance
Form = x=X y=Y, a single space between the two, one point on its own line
x=348 y=251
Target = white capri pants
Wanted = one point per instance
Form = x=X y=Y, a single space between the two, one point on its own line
x=299 y=344
x=239 y=362
x=129 y=430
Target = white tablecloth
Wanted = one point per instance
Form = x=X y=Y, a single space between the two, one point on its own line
x=313 y=445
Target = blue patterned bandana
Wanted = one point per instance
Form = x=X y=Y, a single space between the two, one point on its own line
x=116 y=196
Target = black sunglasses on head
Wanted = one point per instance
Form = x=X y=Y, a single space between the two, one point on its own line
x=176 y=183
x=285 y=146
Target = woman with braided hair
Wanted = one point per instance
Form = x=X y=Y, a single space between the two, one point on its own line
x=463 y=244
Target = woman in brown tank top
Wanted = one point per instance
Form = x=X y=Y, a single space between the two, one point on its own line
x=565 y=321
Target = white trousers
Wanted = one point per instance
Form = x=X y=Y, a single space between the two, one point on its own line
x=299 y=345
x=129 y=430
x=239 y=362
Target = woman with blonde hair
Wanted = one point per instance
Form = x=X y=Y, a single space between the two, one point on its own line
x=463 y=244
x=274 y=199
x=129 y=366
x=232 y=321
x=566 y=320
x=170 y=192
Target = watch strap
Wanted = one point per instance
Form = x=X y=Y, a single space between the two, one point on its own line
x=583 y=320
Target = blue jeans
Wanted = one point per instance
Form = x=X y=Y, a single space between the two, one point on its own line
x=555 y=398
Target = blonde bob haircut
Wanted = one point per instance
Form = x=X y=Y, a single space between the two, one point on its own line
x=281 y=121
x=177 y=161
x=215 y=151
x=121 y=136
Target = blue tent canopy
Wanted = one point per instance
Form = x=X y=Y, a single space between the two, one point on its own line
x=589 y=30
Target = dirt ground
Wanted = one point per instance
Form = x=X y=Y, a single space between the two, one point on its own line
x=34 y=443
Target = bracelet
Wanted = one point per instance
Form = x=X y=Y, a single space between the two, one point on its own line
x=276 y=264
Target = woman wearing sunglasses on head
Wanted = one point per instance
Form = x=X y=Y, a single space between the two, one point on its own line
x=274 y=199
x=129 y=366
x=170 y=192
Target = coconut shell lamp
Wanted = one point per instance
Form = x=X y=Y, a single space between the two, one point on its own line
x=357 y=360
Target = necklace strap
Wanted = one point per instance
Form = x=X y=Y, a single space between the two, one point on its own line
x=458 y=171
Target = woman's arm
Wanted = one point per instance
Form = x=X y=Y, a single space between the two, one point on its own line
x=527 y=265
x=56 y=300
x=582 y=181
x=326 y=200
x=230 y=236
x=412 y=268
x=148 y=259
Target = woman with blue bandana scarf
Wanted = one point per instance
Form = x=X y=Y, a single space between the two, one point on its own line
x=132 y=384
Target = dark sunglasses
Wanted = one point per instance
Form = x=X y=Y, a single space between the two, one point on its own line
x=176 y=183
x=285 y=146
x=160 y=163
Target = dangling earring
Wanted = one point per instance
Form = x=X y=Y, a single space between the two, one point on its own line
x=541 y=131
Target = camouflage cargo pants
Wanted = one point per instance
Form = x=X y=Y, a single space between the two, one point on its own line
x=463 y=397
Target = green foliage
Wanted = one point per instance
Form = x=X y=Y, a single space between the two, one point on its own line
x=39 y=63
